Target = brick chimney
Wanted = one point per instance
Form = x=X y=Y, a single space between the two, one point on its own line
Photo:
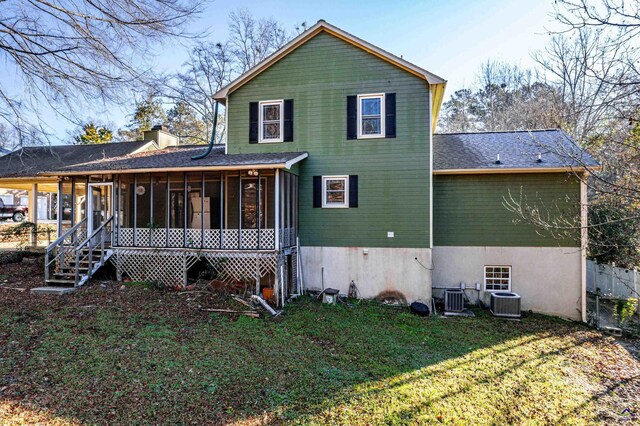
x=161 y=136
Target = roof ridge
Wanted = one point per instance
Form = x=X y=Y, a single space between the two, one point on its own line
x=498 y=131
x=73 y=145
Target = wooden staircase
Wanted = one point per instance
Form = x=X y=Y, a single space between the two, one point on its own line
x=65 y=276
x=74 y=257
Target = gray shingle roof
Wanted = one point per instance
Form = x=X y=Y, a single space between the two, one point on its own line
x=457 y=151
x=518 y=150
x=3 y=151
x=32 y=161
x=178 y=157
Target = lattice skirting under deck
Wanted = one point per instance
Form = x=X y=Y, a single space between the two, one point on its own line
x=169 y=267
x=242 y=266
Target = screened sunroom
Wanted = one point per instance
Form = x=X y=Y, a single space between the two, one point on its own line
x=156 y=214
x=227 y=210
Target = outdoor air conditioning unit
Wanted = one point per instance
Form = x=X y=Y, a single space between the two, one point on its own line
x=505 y=304
x=453 y=300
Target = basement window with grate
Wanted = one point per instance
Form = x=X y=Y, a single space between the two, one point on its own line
x=497 y=278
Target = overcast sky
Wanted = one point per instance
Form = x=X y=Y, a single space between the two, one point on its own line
x=450 y=38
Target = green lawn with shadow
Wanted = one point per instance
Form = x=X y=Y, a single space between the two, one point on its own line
x=136 y=361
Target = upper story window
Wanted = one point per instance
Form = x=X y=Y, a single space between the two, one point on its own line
x=271 y=121
x=371 y=116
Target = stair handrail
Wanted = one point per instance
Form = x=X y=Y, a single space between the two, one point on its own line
x=88 y=242
x=59 y=242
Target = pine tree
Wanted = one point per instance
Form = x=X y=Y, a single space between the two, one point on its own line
x=92 y=134
x=148 y=113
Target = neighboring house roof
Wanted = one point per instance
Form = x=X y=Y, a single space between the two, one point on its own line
x=437 y=83
x=179 y=158
x=518 y=150
x=33 y=161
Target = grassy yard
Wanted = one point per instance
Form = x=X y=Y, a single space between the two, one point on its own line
x=138 y=355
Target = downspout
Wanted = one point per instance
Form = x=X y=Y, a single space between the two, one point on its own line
x=213 y=135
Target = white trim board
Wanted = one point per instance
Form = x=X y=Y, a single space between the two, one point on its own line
x=320 y=26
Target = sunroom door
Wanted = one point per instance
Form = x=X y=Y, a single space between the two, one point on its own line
x=100 y=205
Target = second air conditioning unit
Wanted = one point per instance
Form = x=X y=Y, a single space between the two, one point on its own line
x=505 y=304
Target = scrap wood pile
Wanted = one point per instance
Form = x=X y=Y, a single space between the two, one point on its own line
x=203 y=296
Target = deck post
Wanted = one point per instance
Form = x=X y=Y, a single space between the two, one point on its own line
x=33 y=213
x=73 y=202
x=167 y=220
x=202 y=213
x=222 y=215
x=184 y=266
x=185 y=175
x=239 y=209
x=135 y=209
x=258 y=203
x=60 y=211
x=119 y=212
x=277 y=212
x=279 y=284
x=151 y=222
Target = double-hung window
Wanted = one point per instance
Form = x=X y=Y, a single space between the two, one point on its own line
x=335 y=191
x=497 y=278
x=371 y=116
x=271 y=121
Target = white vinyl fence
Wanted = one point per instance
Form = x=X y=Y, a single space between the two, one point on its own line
x=612 y=281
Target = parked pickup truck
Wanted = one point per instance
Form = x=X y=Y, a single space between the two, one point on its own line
x=17 y=213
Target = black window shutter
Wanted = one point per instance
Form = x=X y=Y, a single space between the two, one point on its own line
x=253 y=122
x=288 y=120
x=317 y=191
x=352 y=117
x=390 y=113
x=353 y=191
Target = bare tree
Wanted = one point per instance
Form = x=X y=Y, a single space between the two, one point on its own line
x=590 y=74
x=586 y=84
x=70 y=54
x=7 y=137
x=183 y=122
x=208 y=69
x=505 y=97
x=251 y=40
x=621 y=16
x=212 y=65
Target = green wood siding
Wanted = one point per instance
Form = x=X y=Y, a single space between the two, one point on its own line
x=393 y=173
x=469 y=209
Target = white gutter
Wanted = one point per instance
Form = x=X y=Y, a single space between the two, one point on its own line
x=170 y=169
x=285 y=165
x=299 y=158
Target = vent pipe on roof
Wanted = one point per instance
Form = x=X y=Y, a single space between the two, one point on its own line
x=213 y=135
x=498 y=159
x=539 y=160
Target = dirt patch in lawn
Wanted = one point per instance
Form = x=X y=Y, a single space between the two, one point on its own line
x=113 y=355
